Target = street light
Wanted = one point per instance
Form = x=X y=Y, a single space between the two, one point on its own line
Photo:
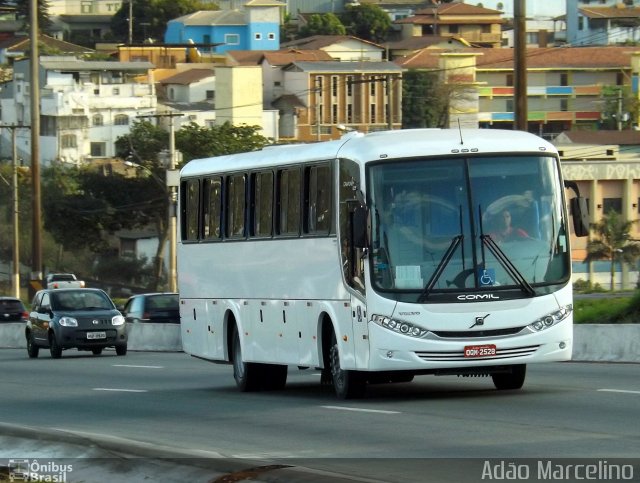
x=169 y=187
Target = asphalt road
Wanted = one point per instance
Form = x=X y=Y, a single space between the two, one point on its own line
x=169 y=401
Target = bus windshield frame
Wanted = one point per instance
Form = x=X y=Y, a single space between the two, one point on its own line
x=445 y=226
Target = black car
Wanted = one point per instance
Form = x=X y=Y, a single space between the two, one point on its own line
x=12 y=310
x=153 y=307
x=81 y=318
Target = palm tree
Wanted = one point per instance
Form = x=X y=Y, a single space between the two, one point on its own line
x=613 y=241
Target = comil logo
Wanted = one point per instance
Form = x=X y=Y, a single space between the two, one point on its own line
x=483 y=296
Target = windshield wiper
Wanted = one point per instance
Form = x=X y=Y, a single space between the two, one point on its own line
x=446 y=258
x=511 y=269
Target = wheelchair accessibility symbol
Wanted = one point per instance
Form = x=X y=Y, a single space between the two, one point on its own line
x=486 y=277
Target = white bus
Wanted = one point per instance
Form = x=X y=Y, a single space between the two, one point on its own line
x=378 y=257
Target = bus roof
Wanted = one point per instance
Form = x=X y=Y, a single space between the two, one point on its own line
x=378 y=145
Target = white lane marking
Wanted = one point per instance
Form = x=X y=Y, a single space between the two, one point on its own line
x=363 y=410
x=143 y=367
x=619 y=390
x=118 y=390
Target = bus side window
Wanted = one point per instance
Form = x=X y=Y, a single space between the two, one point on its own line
x=212 y=208
x=317 y=202
x=190 y=209
x=288 y=201
x=236 y=202
x=261 y=212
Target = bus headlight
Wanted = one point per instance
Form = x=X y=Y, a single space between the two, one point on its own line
x=551 y=319
x=399 y=326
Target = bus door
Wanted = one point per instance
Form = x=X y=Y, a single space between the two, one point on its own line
x=354 y=253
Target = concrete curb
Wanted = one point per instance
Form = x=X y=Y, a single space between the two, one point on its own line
x=592 y=342
x=142 y=337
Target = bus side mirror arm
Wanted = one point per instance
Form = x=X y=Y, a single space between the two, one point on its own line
x=579 y=210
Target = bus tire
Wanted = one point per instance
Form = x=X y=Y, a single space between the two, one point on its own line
x=347 y=384
x=510 y=380
x=274 y=377
x=246 y=374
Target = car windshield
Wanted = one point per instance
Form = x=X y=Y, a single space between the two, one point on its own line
x=448 y=225
x=80 y=300
x=163 y=302
x=10 y=306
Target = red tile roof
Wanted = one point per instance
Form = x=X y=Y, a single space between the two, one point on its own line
x=537 y=58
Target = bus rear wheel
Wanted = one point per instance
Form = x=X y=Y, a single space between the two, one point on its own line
x=347 y=384
x=510 y=380
x=246 y=374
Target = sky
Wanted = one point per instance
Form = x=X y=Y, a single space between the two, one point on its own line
x=533 y=8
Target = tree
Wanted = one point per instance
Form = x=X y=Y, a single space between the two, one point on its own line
x=425 y=100
x=23 y=14
x=613 y=242
x=620 y=107
x=323 y=24
x=195 y=141
x=150 y=17
x=367 y=21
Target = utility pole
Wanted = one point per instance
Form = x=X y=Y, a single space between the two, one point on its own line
x=172 y=193
x=15 y=277
x=34 y=84
x=130 y=37
x=520 y=61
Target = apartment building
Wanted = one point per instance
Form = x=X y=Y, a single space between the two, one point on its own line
x=321 y=98
x=84 y=106
x=565 y=86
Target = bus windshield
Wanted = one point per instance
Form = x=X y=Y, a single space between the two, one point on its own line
x=444 y=226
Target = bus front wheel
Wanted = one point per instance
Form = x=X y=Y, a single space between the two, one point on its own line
x=510 y=380
x=246 y=374
x=347 y=384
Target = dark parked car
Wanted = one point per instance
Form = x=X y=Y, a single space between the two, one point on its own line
x=153 y=307
x=81 y=318
x=12 y=310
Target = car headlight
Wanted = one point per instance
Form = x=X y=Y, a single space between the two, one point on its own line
x=399 y=326
x=117 y=320
x=551 y=318
x=68 y=322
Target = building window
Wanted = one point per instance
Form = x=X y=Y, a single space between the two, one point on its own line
x=349 y=85
x=372 y=110
x=349 y=113
x=116 y=91
x=611 y=204
x=211 y=95
x=509 y=80
x=232 y=39
x=319 y=85
x=334 y=113
x=98 y=150
x=121 y=120
x=98 y=120
x=271 y=36
x=372 y=86
x=564 y=105
x=334 y=86
x=564 y=79
x=258 y=36
x=68 y=141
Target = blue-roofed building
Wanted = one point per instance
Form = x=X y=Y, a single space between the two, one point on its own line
x=255 y=27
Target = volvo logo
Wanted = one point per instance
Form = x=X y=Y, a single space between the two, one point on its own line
x=95 y=322
x=484 y=296
x=479 y=321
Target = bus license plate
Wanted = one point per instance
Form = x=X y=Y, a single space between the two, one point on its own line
x=96 y=335
x=480 y=350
